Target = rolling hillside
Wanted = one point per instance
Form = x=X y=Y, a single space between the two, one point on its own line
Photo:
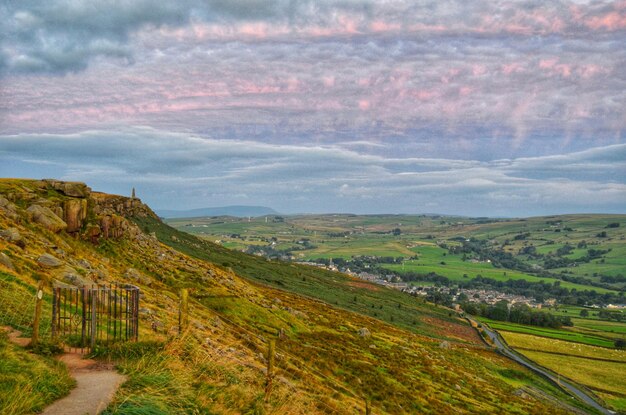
x=340 y=342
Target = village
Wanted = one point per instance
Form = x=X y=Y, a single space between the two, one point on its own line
x=490 y=297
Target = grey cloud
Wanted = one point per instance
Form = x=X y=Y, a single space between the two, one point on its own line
x=62 y=36
x=173 y=168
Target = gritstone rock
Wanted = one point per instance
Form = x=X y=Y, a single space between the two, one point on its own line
x=48 y=261
x=45 y=217
x=6 y=261
x=11 y=235
x=70 y=276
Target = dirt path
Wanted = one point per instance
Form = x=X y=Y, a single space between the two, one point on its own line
x=95 y=386
x=96 y=383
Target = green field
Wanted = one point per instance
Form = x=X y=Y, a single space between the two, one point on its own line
x=310 y=237
x=599 y=369
x=567 y=334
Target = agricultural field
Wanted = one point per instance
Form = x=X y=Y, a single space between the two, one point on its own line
x=570 y=334
x=600 y=369
x=582 y=252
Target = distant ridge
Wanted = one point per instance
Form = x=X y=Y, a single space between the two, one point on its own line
x=238 y=211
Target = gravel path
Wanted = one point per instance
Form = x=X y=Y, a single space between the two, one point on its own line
x=95 y=386
x=96 y=383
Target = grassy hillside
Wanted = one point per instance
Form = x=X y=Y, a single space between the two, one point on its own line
x=325 y=361
x=334 y=288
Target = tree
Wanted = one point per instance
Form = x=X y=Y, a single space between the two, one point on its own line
x=584 y=313
x=620 y=344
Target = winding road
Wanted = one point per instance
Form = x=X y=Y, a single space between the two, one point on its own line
x=568 y=387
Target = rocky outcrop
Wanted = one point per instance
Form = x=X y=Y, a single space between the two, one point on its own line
x=72 y=189
x=74 y=214
x=105 y=204
x=74 y=208
x=47 y=218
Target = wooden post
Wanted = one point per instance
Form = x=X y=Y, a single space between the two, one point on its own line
x=183 y=310
x=368 y=410
x=55 y=311
x=270 y=369
x=94 y=316
x=38 y=300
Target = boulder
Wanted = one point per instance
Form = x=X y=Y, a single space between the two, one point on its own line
x=136 y=276
x=8 y=208
x=11 y=235
x=444 y=344
x=49 y=261
x=83 y=263
x=46 y=217
x=73 y=189
x=363 y=332
x=74 y=214
x=6 y=261
x=70 y=276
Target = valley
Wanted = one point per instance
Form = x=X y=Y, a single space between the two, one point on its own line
x=342 y=344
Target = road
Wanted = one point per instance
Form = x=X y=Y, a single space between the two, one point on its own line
x=563 y=384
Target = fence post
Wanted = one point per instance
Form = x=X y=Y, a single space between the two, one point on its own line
x=270 y=369
x=183 y=310
x=94 y=316
x=368 y=410
x=55 y=312
x=38 y=300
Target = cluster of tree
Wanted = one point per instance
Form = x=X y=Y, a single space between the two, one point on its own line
x=521 y=236
x=612 y=279
x=517 y=313
x=560 y=262
x=611 y=315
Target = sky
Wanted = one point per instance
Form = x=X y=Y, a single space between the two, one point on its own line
x=477 y=108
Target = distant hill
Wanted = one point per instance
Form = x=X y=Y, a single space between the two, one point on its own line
x=237 y=211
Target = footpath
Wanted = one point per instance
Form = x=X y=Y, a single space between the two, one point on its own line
x=96 y=383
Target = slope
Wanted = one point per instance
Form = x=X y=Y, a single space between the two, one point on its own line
x=328 y=359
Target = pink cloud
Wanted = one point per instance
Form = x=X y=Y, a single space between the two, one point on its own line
x=509 y=68
x=422 y=94
x=479 y=69
x=548 y=63
x=378 y=26
x=329 y=81
x=552 y=66
x=364 y=104
x=610 y=21
x=465 y=91
x=591 y=70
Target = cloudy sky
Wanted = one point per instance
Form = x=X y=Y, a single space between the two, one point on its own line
x=482 y=107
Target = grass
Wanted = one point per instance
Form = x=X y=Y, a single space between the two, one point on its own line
x=322 y=364
x=545 y=332
x=600 y=369
x=346 y=236
x=533 y=342
x=29 y=382
x=336 y=289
